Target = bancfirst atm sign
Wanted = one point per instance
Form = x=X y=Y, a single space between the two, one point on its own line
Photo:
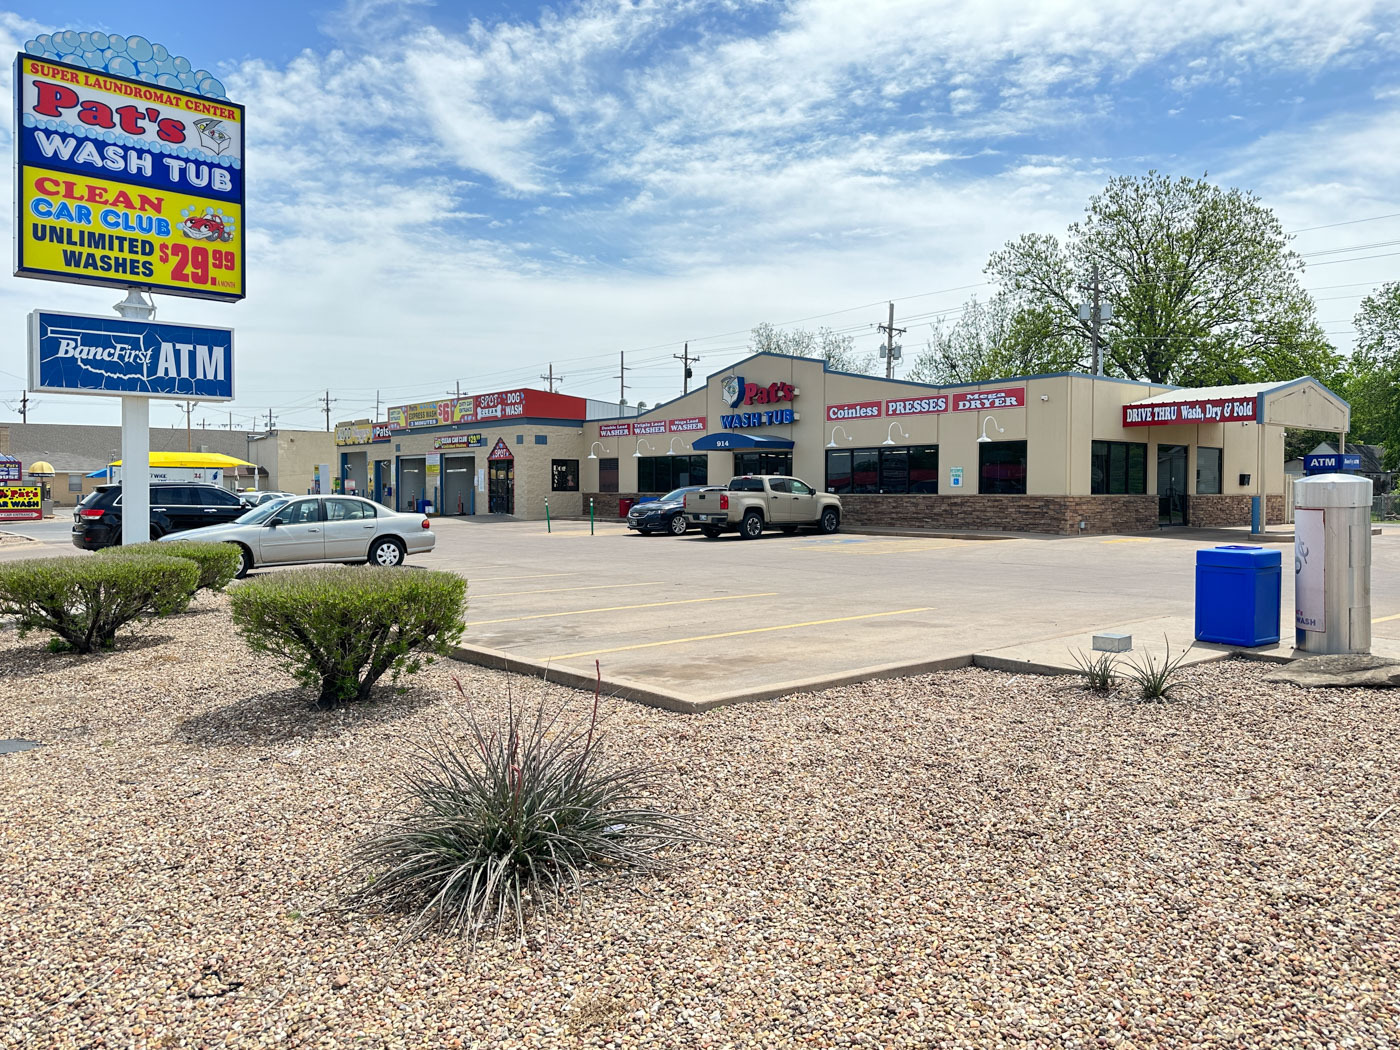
x=1215 y=410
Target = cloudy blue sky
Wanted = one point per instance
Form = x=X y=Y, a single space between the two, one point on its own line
x=467 y=192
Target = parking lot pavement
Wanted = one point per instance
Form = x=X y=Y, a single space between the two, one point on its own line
x=708 y=619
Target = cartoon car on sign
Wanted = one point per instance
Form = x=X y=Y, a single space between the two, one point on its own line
x=206 y=227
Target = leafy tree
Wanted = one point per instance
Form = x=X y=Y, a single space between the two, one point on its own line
x=1203 y=286
x=837 y=350
x=993 y=340
x=1373 y=378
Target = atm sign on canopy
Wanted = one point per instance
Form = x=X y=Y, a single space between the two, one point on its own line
x=1215 y=410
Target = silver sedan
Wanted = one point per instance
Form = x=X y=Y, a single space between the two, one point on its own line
x=306 y=529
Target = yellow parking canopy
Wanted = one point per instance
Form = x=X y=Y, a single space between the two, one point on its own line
x=197 y=460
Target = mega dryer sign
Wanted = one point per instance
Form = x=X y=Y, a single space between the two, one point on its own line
x=77 y=353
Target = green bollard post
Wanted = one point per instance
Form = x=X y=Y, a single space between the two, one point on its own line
x=546 y=515
x=590 y=515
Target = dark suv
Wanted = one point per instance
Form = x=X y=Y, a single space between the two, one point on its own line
x=175 y=506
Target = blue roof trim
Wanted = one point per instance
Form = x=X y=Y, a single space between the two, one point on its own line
x=725 y=441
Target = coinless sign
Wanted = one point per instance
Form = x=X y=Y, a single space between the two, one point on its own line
x=127 y=183
x=77 y=353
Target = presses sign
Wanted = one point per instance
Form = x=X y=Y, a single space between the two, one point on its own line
x=1216 y=410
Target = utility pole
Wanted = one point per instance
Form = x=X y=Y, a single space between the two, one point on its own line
x=551 y=378
x=24 y=408
x=329 y=401
x=269 y=421
x=376 y=406
x=189 y=411
x=1095 y=312
x=684 y=358
x=890 y=332
x=459 y=395
x=622 y=380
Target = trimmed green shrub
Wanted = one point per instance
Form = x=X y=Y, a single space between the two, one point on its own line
x=339 y=630
x=218 y=562
x=85 y=601
x=509 y=820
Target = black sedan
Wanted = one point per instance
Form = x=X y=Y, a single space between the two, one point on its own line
x=666 y=514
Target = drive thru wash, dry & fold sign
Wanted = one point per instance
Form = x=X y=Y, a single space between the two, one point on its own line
x=129 y=183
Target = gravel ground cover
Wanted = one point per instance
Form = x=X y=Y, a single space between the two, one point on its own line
x=962 y=859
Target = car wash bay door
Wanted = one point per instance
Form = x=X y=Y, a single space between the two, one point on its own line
x=458 y=493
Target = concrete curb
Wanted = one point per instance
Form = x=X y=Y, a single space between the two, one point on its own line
x=626 y=689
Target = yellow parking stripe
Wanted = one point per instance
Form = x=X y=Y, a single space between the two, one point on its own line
x=620 y=608
x=533 y=576
x=733 y=634
x=560 y=590
x=1383 y=619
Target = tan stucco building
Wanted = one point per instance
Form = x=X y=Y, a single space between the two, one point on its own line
x=1056 y=453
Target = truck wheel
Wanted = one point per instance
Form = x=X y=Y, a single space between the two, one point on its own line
x=710 y=531
x=831 y=520
x=678 y=525
x=751 y=528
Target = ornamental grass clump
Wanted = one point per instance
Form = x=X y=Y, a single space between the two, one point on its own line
x=1100 y=672
x=510 y=821
x=339 y=630
x=85 y=601
x=218 y=563
x=1158 y=682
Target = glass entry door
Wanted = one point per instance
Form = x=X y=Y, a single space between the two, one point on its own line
x=1171 y=484
x=500 y=486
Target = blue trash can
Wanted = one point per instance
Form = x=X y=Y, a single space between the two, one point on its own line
x=1239 y=590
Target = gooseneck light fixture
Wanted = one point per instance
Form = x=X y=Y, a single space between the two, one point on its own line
x=889 y=439
x=596 y=444
x=640 y=443
x=984 y=439
x=832 y=442
x=672 y=450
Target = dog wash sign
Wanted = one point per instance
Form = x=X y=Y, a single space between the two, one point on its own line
x=128 y=183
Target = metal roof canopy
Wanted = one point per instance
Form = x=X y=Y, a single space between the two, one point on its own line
x=724 y=442
x=1301 y=403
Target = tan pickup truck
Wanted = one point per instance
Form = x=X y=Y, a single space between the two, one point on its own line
x=756 y=502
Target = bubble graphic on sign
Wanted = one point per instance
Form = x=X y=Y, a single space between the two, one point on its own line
x=133 y=57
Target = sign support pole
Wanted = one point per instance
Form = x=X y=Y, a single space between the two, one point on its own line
x=136 y=441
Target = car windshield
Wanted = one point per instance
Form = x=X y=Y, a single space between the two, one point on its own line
x=676 y=496
x=262 y=513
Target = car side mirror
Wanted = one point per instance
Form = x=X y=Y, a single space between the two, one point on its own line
x=275 y=522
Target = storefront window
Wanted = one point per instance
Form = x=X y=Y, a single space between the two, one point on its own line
x=1002 y=468
x=1118 y=468
x=838 y=471
x=899 y=470
x=564 y=475
x=762 y=463
x=607 y=475
x=664 y=473
x=865 y=470
x=1209 y=469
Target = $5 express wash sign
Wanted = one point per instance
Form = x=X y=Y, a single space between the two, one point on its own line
x=127 y=183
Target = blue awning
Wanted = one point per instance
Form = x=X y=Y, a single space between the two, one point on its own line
x=98 y=473
x=729 y=442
